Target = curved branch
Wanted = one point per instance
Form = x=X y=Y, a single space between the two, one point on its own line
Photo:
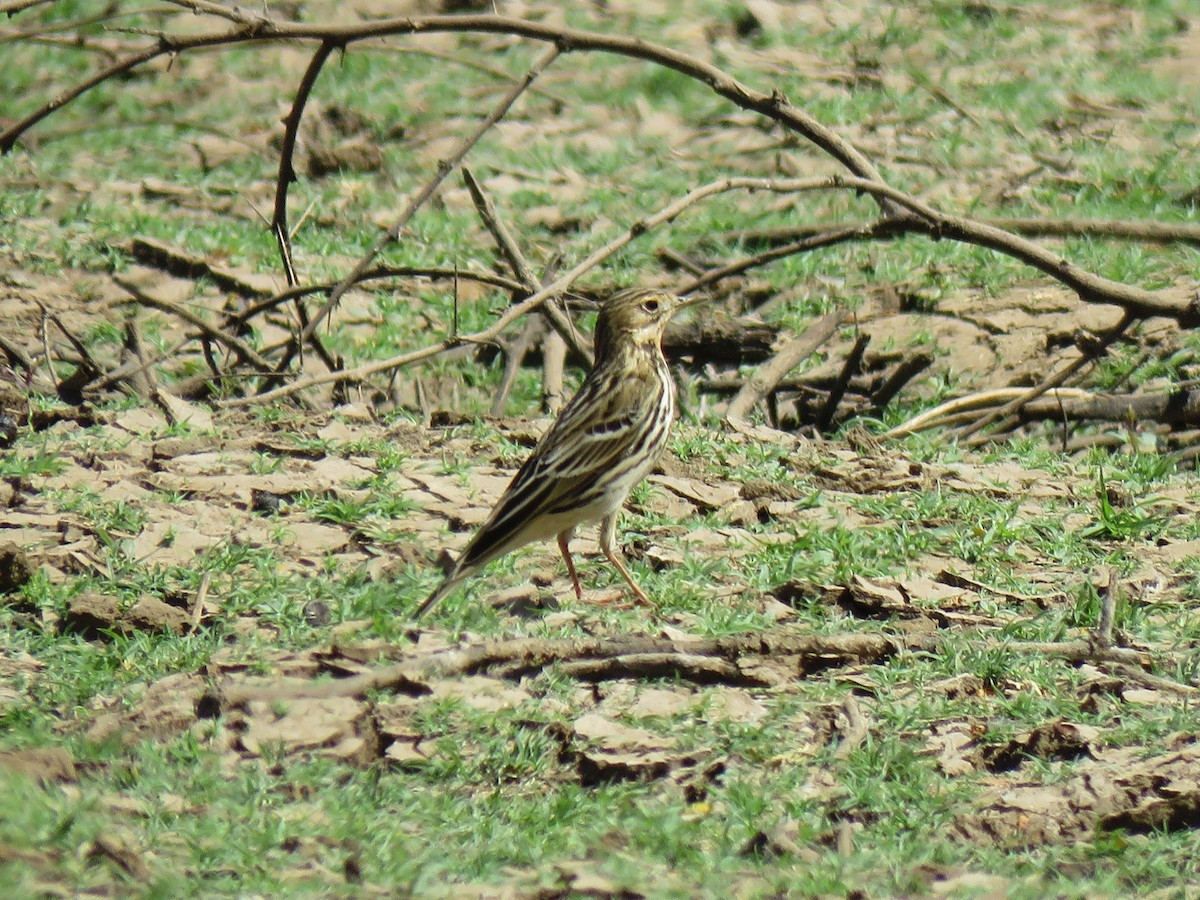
x=287 y=172
x=1092 y=288
x=242 y=316
x=10 y=136
x=774 y=105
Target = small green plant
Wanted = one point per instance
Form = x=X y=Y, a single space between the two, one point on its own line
x=41 y=462
x=1119 y=523
x=266 y=463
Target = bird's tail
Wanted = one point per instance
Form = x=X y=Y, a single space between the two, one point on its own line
x=449 y=584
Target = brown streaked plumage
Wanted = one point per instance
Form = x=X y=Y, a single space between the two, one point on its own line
x=605 y=441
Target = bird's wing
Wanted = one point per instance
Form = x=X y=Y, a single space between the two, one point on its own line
x=584 y=443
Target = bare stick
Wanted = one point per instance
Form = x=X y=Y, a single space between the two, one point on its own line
x=554 y=357
x=135 y=367
x=1103 y=634
x=10 y=136
x=514 y=354
x=790 y=355
x=773 y=105
x=958 y=406
x=520 y=267
x=233 y=14
x=1029 y=226
x=243 y=350
x=928 y=221
x=445 y=167
x=535 y=300
x=1092 y=288
x=141 y=381
x=243 y=316
x=16 y=355
x=11 y=9
x=826 y=237
x=1168 y=408
x=521 y=656
x=908 y=369
x=850 y=368
x=287 y=171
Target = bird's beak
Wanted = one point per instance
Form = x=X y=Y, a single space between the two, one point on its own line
x=685 y=302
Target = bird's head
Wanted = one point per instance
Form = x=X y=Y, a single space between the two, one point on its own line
x=636 y=317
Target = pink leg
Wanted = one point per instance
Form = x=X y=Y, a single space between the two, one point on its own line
x=608 y=543
x=564 y=540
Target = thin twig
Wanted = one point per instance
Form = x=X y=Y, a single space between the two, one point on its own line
x=516 y=261
x=828 y=237
x=535 y=300
x=287 y=171
x=444 y=168
x=17 y=6
x=789 y=356
x=773 y=105
x=514 y=355
x=136 y=366
x=1103 y=635
x=952 y=409
x=232 y=14
x=850 y=368
x=16 y=355
x=554 y=357
x=243 y=316
x=243 y=350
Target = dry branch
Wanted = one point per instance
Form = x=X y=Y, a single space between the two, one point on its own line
x=444 y=168
x=774 y=105
x=791 y=355
x=952 y=410
x=520 y=267
x=1180 y=407
x=243 y=350
x=1027 y=226
x=555 y=288
x=1089 y=350
x=287 y=152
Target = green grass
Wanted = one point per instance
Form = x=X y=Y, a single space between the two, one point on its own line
x=499 y=800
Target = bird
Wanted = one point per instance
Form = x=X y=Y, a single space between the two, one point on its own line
x=603 y=443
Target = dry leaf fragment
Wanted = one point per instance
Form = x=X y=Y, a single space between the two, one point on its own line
x=705 y=494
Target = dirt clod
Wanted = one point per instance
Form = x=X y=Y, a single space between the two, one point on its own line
x=151 y=614
x=14 y=568
x=91 y=614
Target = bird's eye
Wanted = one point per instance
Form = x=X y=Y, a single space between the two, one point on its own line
x=650 y=306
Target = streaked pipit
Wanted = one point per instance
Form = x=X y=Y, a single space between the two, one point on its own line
x=605 y=441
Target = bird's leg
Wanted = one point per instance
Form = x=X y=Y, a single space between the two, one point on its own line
x=564 y=541
x=608 y=543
